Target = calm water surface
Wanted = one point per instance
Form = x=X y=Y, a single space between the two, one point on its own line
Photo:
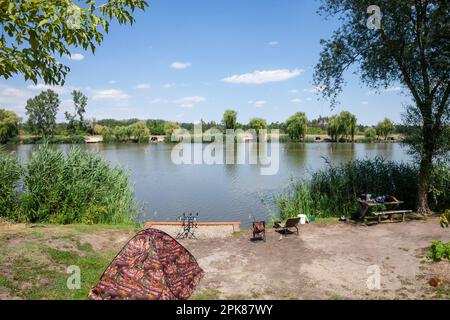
x=220 y=192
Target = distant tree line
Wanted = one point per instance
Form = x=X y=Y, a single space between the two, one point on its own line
x=42 y=110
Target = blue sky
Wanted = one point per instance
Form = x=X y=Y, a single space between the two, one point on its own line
x=186 y=60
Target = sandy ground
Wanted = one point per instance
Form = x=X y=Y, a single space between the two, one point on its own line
x=326 y=262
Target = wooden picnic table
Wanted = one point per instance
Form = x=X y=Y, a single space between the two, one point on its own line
x=366 y=205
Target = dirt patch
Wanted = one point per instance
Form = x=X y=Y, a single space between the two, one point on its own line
x=332 y=261
x=324 y=262
x=106 y=240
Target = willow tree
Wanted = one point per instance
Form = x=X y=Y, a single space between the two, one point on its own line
x=229 y=119
x=9 y=125
x=35 y=33
x=296 y=126
x=257 y=124
x=403 y=42
x=385 y=128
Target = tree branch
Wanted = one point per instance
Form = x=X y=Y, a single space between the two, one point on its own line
x=403 y=69
x=420 y=22
x=441 y=108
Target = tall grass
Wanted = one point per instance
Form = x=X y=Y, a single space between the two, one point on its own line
x=10 y=173
x=333 y=191
x=297 y=200
x=341 y=185
x=78 y=188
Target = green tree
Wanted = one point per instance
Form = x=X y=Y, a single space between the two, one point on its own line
x=80 y=103
x=257 y=124
x=169 y=127
x=229 y=119
x=385 y=128
x=347 y=125
x=36 y=33
x=41 y=111
x=9 y=124
x=411 y=47
x=139 y=131
x=371 y=134
x=156 y=127
x=296 y=126
x=332 y=128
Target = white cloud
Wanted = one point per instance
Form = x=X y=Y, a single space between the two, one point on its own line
x=314 y=89
x=112 y=81
x=159 y=100
x=76 y=56
x=258 y=103
x=365 y=103
x=293 y=91
x=143 y=86
x=168 y=85
x=14 y=99
x=296 y=100
x=57 y=89
x=265 y=76
x=109 y=94
x=273 y=43
x=188 y=102
x=180 y=65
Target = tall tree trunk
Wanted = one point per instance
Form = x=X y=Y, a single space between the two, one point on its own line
x=426 y=163
x=424 y=184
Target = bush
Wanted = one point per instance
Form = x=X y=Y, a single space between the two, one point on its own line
x=297 y=200
x=439 y=251
x=370 y=134
x=334 y=191
x=445 y=219
x=10 y=172
x=79 y=188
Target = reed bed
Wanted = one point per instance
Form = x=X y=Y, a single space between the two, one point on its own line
x=333 y=191
x=80 y=187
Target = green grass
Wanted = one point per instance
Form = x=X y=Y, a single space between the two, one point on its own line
x=34 y=260
x=326 y=220
x=207 y=294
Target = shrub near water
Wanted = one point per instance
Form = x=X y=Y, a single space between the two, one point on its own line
x=341 y=185
x=80 y=187
x=334 y=190
x=10 y=172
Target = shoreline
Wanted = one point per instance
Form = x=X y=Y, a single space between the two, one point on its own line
x=324 y=262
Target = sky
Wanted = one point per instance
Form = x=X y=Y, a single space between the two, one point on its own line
x=190 y=60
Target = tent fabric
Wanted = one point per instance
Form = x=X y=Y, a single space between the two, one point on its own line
x=151 y=266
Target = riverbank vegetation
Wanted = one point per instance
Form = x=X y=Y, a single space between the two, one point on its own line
x=41 y=126
x=334 y=190
x=77 y=187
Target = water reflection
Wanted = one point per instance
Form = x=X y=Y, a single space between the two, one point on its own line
x=219 y=192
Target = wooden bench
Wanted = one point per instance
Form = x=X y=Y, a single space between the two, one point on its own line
x=390 y=213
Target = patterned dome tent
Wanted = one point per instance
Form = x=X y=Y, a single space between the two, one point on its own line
x=151 y=266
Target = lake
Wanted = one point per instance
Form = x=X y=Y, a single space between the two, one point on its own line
x=220 y=192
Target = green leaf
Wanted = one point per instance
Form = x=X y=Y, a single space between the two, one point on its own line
x=43 y=22
x=33 y=39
